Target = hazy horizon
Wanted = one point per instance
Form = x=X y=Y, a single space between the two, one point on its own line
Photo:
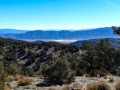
x=56 y=29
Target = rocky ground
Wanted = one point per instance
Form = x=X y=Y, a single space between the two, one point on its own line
x=79 y=84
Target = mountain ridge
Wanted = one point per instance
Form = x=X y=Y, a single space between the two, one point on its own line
x=106 y=32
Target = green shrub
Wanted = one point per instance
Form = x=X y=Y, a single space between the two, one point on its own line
x=13 y=69
x=2 y=76
x=58 y=71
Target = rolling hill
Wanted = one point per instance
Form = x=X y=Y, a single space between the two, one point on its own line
x=115 y=42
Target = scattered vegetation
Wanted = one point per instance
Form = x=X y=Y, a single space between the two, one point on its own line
x=57 y=63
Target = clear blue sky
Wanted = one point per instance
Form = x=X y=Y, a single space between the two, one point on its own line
x=59 y=14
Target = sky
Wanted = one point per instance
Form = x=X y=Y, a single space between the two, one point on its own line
x=59 y=14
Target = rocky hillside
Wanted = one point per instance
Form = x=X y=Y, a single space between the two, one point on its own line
x=33 y=55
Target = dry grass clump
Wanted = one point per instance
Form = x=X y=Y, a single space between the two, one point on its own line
x=54 y=88
x=17 y=77
x=98 y=86
x=25 y=81
x=66 y=88
x=27 y=87
x=117 y=85
x=58 y=88
x=41 y=76
x=77 y=87
x=9 y=78
x=104 y=72
x=7 y=87
x=94 y=73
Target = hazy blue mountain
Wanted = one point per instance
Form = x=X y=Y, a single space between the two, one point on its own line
x=114 y=41
x=39 y=34
x=6 y=31
x=65 y=34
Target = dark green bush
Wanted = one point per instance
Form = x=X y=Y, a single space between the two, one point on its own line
x=58 y=71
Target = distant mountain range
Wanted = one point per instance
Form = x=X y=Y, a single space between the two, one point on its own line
x=12 y=31
x=115 y=42
x=106 y=32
